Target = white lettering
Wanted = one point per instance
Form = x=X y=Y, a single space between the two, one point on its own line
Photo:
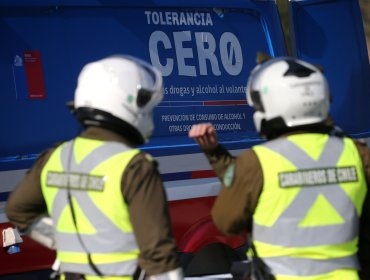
x=229 y=48
x=231 y=53
x=348 y=174
x=175 y=118
x=190 y=18
x=205 y=54
x=75 y=181
x=155 y=18
x=316 y=177
x=155 y=38
x=178 y=18
x=147 y=13
x=182 y=53
x=175 y=19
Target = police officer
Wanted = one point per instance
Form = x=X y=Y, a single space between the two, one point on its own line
x=104 y=195
x=304 y=188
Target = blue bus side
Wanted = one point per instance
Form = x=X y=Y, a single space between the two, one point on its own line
x=331 y=33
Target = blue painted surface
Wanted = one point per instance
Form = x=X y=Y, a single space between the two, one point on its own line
x=69 y=34
x=331 y=33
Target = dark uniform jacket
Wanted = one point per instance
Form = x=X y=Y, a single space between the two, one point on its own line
x=142 y=190
x=230 y=211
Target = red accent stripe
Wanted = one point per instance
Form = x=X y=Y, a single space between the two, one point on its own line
x=227 y=102
x=34 y=74
x=202 y=174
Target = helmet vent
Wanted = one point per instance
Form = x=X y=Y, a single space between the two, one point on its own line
x=298 y=70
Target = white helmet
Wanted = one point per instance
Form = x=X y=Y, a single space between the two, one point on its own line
x=287 y=93
x=119 y=93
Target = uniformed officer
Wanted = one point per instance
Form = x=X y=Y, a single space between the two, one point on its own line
x=105 y=197
x=304 y=188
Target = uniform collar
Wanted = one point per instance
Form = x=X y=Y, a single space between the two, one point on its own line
x=103 y=134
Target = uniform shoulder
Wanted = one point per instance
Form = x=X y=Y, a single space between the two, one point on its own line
x=248 y=157
x=45 y=154
x=145 y=159
x=249 y=152
x=362 y=148
x=360 y=142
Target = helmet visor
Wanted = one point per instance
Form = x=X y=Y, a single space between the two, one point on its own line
x=150 y=82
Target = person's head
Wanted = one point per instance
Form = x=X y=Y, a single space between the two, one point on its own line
x=287 y=94
x=119 y=93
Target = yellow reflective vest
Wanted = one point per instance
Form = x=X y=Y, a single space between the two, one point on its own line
x=306 y=222
x=87 y=174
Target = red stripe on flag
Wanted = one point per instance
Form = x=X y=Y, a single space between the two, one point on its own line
x=202 y=174
x=227 y=102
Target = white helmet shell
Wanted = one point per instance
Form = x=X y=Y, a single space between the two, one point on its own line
x=123 y=86
x=290 y=89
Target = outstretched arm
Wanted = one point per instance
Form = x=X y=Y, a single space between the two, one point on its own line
x=241 y=177
x=26 y=202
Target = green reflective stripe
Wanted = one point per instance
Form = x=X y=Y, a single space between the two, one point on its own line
x=309 y=267
x=287 y=233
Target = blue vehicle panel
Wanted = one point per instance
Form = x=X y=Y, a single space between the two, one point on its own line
x=205 y=55
x=205 y=51
x=331 y=33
